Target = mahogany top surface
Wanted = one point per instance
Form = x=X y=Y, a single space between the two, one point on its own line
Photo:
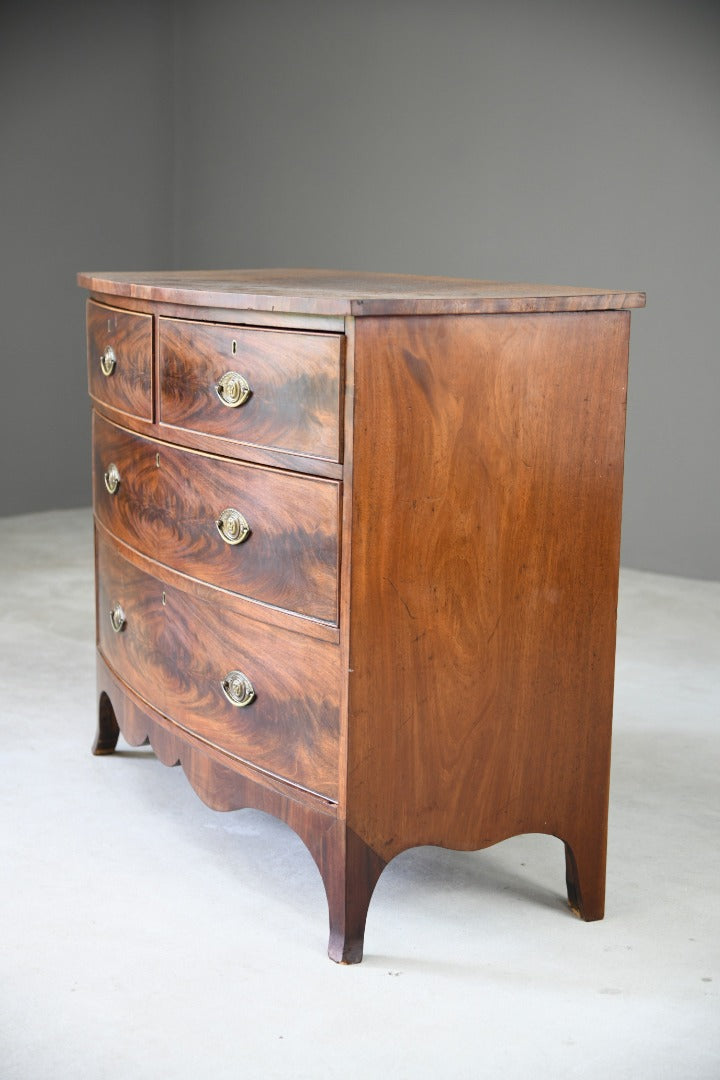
x=337 y=292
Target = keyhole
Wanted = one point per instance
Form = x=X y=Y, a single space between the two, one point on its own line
x=164 y=598
x=157 y=461
x=234 y=348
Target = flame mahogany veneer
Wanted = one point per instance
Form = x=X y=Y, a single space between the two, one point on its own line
x=431 y=470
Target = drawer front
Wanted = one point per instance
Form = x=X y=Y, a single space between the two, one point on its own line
x=167 y=501
x=120 y=359
x=175 y=651
x=293 y=385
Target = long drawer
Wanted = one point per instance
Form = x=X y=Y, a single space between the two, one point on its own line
x=276 y=389
x=198 y=663
x=189 y=510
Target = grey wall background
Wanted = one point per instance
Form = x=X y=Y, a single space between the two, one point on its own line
x=543 y=141
x=85 y=182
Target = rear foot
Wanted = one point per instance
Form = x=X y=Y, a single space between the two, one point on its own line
x=585 y=878
x=107 y=730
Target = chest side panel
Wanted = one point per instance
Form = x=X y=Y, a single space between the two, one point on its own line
x=488 y=456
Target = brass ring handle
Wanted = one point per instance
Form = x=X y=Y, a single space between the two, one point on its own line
x=233 y=389
x=238 y=689
x=108 y=360
x=112 y=478
x=117 y=619
x=232 y=526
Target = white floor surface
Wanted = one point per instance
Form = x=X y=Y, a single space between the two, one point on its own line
x=143 y=935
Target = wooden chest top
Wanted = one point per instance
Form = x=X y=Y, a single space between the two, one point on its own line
x=337 y=292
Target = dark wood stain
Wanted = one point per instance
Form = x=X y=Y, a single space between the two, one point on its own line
x=175 y=655
x=129 y=388
x=337 y=292
x=169 y=511
x=295 y=403
x=483 y=626
x=349 y=869
x=430 y=630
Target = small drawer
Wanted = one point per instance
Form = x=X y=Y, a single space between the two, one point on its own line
x=276 y=389
x=120 y=359
x=265 y=695
x=168 y=503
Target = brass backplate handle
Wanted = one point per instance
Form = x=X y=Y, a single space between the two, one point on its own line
x=232 y=526
x=233 y=389
x=112 y=478
x=238 y=689
x=117 y=619
x=108 y=360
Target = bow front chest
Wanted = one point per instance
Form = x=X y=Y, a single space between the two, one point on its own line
x=357 y=542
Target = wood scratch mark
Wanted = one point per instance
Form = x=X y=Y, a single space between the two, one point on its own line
x=394 y=586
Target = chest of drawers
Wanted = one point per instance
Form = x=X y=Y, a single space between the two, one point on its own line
x=357 y=542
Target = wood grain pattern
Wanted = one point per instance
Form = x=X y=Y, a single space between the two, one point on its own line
x=140 y=723
x=175 y=655
x=483 y=628
x=265 y=320
x=459 y=689
x=169 y=500
x=129 y=388
x=349 y=868
x=295 y=380
x=336 y=292
x=237 y=606
x=194 y=440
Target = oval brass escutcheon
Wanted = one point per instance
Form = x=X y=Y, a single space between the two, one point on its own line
x=233 y=389
x=108 y=360
x=232 y=526
x=112 y=478
x=238 y=689
x=117 y=618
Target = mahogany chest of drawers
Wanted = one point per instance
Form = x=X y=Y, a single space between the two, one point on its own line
x=357 y=542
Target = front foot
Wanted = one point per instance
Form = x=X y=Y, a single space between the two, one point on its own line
x=107 y=730
x=346 y=950
x=350 y=870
